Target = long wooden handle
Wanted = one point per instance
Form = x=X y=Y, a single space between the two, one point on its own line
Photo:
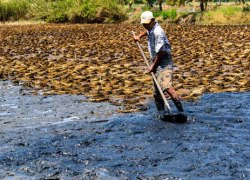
x=153 y=75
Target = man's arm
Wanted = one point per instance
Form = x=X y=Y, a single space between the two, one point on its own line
x=160 y=55
x=141 y=35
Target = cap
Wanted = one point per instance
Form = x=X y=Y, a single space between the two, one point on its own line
x=146 y=17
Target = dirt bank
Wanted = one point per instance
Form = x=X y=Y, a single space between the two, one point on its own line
x=66 y=137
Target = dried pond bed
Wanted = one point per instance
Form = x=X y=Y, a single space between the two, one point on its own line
x=103 y=63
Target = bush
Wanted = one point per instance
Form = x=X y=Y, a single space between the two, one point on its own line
x=157 y=13
x=55 y=11
x=96 y=11
x=246 y=8
x=225 y=15
x=175 y=2
x=172 y=14
x=58 y=11
x=13 y=9
x=82 y=11
x=229 y=11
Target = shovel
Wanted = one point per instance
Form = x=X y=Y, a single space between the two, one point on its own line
x=176 y=118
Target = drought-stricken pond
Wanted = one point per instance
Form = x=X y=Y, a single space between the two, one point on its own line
x=102 y=62
x=64 y=136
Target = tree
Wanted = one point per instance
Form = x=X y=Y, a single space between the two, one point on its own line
x=203 y=5
x=175 y=2
x=239 y=1
x=160 y=4
x=131 y=2
x=150 y=3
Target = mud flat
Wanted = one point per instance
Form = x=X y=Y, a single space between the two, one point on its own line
x=66 y=137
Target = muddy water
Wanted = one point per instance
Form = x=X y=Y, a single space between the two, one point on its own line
x=66 y=137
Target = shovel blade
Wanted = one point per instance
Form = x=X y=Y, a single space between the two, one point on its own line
x=175 y=118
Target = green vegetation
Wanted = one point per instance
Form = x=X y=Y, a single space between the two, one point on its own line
x=171 y=14
x=175 y=2
x=13 y=9
x=225 y=15
x=108 y=11
x=246 y=8
x=58 y=11
x=49 y=11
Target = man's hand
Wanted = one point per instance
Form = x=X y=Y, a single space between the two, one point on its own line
x=158 y=57
x=151 y=69
x=136 y=38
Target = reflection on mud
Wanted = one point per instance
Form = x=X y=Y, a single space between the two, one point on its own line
x=64 y=137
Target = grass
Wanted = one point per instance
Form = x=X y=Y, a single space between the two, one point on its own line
x=60 y=11
x=13 y=9
x=99 y=11
x=166 y=14
x=224 y=15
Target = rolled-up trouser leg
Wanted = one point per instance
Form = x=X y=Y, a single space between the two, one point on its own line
x=164 y=78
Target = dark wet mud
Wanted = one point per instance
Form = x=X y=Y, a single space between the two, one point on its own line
x=66 y=137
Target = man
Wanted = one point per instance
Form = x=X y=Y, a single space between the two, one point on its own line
x=162 y=65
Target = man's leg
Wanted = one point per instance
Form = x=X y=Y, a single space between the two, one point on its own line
x=175 y=97
x=158 y=99
x=165 y=80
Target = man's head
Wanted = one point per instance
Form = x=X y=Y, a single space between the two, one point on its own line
x=147 y=20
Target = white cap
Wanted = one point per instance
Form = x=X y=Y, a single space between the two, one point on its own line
x=146 y=17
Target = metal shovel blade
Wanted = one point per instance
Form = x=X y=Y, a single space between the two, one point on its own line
x=175 y=118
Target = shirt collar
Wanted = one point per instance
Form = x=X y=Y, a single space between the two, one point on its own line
x=151 y=30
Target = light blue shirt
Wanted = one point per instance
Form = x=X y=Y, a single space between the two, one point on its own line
x=157 y=41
